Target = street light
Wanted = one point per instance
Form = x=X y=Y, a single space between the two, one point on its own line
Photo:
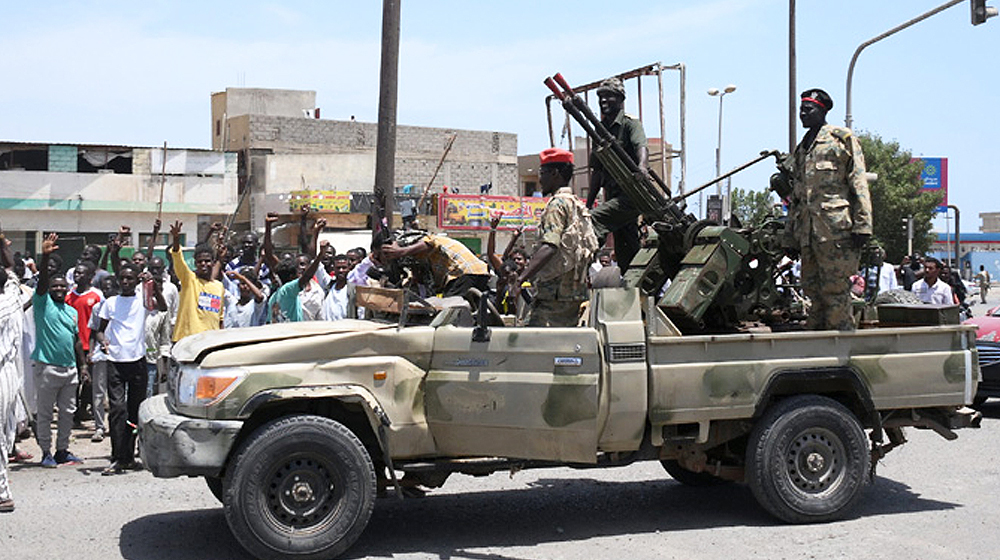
x=980 y=13
x=714 y=92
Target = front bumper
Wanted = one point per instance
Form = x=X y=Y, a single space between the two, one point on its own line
x=174 y=445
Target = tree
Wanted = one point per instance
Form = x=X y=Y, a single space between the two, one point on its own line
x=896 y=195
x=751 y=207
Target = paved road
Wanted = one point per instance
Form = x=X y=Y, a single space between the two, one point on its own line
x=932 y=499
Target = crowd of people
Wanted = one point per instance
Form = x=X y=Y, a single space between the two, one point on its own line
x=78 y=341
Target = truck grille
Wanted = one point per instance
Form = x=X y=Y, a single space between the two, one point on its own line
x=623 y=353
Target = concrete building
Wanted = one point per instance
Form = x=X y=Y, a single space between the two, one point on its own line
x=86 y=192
x=291 y=151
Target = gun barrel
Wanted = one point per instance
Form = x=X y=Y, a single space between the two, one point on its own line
x=758 y=159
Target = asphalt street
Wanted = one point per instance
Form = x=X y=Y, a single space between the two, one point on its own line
x=931 y=499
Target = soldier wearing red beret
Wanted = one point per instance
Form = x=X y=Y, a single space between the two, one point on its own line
x=558 y=268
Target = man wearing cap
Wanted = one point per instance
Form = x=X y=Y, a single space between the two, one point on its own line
x=617 y=214
x=830 y=212
x=558 y=268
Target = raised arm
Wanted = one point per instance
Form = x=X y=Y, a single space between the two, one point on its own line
x=236 y=276
x=48 y=247
x=115 y=246
x=221 y=257
x=212 y=230
x=152 y=238
x=268 y=245
x=307 y=242
x=513 y=241
x=310 y=271
x=491 y=243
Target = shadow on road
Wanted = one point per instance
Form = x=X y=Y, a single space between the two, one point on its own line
x=559 y=510
x=551 y=510
x=181 y=535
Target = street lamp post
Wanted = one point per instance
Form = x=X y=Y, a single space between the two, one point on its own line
x=848 y=116
x=715 y=92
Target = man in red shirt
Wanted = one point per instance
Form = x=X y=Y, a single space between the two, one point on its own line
x=84 y=297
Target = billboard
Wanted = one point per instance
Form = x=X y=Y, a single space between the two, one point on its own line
x=471 y=212
x=935 y=178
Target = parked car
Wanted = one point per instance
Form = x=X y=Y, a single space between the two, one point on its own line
x=988 y=345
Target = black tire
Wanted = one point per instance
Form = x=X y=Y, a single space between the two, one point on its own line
x=215 y=485
x=807 y=460
x=690 y=478
x=302 y=487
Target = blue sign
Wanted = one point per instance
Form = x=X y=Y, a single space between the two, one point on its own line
x=935 y=178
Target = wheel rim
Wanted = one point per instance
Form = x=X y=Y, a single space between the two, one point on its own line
x=303 y=493
x=815 y=461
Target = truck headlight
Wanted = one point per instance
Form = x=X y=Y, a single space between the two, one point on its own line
x=202 y=387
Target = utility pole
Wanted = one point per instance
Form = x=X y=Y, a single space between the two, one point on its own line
x=385 y=149
x=792 y=100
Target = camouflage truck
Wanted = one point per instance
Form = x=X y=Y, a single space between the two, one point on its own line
x=298 y=427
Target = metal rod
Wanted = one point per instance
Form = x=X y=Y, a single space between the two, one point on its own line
x=385 y=150
x=791 y=78
x=663 y=127
x=638 y=85
x=163 y=178
x=848 y=120
x=761 y=157
x=427 y=189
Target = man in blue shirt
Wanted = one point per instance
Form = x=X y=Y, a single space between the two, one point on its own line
x=59 y=360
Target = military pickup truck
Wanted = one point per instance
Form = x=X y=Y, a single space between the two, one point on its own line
x=298 y=427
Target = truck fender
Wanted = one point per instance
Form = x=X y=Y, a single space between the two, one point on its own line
x=345 y=393
x=843 y=384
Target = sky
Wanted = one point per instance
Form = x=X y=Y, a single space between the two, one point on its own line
x=141 y=73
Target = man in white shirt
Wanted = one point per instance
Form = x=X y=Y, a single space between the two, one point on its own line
x=122 y=335
x=340 y=302
x=931 y=290
x=886 y=274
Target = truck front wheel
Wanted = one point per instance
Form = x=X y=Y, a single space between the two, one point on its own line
x=302 y=486
x=807 y=460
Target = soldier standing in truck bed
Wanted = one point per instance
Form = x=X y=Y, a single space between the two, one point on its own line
x=617 y=214
x=558 y=268
x=830 y=213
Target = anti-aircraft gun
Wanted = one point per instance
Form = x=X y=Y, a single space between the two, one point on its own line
x=720 y=276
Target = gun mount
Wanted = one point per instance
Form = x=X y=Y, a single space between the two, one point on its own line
x=718 y=276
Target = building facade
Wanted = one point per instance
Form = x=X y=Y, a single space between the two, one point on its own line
x=86 y=192
x=290 y=151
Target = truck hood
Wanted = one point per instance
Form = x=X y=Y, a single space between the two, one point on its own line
x=192 y=348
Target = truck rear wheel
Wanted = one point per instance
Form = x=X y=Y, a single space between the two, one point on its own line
x=807 y=460
x=302 y=486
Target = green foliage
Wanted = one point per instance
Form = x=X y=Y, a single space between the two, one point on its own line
x=896 y=195
x=751 y=207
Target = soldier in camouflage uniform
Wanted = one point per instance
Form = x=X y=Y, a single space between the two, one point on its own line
x=617 y=214
x=558 y=268
x=830 y=212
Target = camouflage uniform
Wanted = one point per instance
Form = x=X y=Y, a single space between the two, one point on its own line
x=829 y=203
x=561 y=284
x=617 y=214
